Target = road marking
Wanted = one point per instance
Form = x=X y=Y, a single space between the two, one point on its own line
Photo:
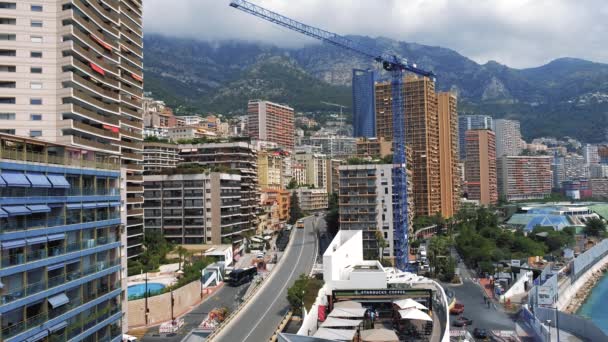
x=282 y=288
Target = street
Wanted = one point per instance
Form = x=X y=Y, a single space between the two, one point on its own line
x=259 y=319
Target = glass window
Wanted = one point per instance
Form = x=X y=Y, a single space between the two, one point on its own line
x=7 y=116
x=8 y=68
x=7 y=100
x=35 y=133
x=7 y=5
x=8 y=21
x=36 y=23
x=36 y=101
x=36 y=54
x=8 y=53
x=36 y=8
x=35 y=117
x=36 y=70
x=36 y=39
x=8 y=131
x=8 y=36
x=8 y=84
x=35 y=85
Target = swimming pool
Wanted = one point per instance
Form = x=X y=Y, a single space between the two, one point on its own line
x=139 y=290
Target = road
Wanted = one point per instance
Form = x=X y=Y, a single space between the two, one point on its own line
x=226 y=296
x=259 y=319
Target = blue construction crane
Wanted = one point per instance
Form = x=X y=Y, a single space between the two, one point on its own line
x=397 y=67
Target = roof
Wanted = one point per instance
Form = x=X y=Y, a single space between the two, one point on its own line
x=529 y=221
x=347 y=312
x=600 y=209
x=336 y=334
x=379 y=335
x=333 y=322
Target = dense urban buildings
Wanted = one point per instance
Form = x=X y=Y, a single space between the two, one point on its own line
x=448 y=154
x=202 y=208
x=590 y=153
x=270 y=169
x=470 y=122
x=159 y=156
x=334 y=146
x=364 y=107
x=480 y=166
x=76 y=73
x=524 y=177
x=238 y=156
x=598 y=171
x=271 y=122
x=599 y=188
x=157 y=117
x=374 y=147
x=508 y=138
x=569 y=167
x=63 y=250
x=316 y=169
x=282 y=198
x=312 y=199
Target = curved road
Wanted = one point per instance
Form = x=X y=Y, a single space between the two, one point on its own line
x=260 y=318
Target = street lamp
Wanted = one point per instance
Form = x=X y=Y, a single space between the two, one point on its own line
x=549 y=325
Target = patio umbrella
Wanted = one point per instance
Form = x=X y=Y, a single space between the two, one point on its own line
x=379 y=335
x=348 y=304
x=335 y=334
x=347 y=313
x=334 y=322
x=409 y=303
x=414 y=314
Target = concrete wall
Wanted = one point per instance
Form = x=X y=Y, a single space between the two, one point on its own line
x=518 y=289
x=160 y=306
x=566 y=296
x=347 y=245
x=576 y=325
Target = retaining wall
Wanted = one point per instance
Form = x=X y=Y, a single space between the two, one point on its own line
x=567 y=295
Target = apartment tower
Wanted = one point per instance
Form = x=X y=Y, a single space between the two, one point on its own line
x=480 y=166
x=448 y=154
x=467 y=123
x=271 y=122
x=364 y=111
x=73 y=74
x=508 y=138
x=524 y=177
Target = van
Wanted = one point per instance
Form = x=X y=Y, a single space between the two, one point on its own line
x=300 y=224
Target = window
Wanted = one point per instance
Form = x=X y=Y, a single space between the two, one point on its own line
x=36 y=117
x=36 y=8
x=36 y=101
x=36 y=54
x=35 y=134
x=8 y=131
x=36 y=39
x=7 y=5
x=7 y=68
x=7 y=100
x=8 y=36
x=8 y=53
x=36 y=70
x=36 y=23
x=8 y=84
x=35 y=85
x=7 y=116
x=8 y=21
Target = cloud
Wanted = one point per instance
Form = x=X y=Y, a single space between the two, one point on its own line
x=518 y=33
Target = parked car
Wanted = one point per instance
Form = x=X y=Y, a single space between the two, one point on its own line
x=458 y=309
x=480 y=333
x=462 y=321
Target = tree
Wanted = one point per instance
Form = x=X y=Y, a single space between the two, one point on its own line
x=595 y=227
x=295 y=213
x=292 y=184
x=382 y=244
x=295 y=294
x=181 y=252
x=332 y=220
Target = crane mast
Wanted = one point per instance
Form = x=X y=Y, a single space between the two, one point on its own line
x=397 y=67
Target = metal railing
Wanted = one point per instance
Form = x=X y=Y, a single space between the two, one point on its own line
x=37 y=157
x=52 y=221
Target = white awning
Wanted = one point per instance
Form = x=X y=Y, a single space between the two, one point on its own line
x=333 y=322
x=379 y=335
x=347 y=313
x=348 y=304
x=58 y=300
x=409 y=303
x=414 y=314
x=335 y=334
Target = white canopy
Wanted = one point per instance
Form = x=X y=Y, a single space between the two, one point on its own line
x=335 y=334
x=409 y=303
x=333 y=322
x=347 y=313
x=414 y=314
x=348 y=304
x=379 y=335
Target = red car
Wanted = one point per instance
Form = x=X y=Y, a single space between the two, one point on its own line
x=458 y=309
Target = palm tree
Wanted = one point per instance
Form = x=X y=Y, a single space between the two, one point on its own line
x=382 y=244
x=181 y=251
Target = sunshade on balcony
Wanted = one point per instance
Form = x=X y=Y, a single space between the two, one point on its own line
x=58 y=181
x=16 y=179
x=38 y=180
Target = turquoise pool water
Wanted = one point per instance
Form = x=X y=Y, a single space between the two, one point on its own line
x=139 y=289
x=595 y=307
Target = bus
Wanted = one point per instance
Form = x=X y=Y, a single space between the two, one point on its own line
x=300 y=224
x=241 y=276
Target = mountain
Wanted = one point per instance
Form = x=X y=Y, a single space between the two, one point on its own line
x=564 y=97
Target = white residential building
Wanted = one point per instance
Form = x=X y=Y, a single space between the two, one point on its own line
x=508 y=138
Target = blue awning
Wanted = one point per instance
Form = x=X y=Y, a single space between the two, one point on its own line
x=3 y=213
x=36 y=240
x=72 y=261
x=58 y=181
x=55 y=237
x=58 y=300
x=15 y=179
x=103 y=205
x=114 y=204
x=89 y=205
x=39 y=336
x=16 y=210
x=74 y=205
x=55 y=267
x=13 y=244
x=38 y=180
x=39 y=208
x=58 y=326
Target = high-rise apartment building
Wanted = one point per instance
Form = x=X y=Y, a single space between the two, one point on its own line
x=73 y=74
x=312 y=199
x=508 y=138
x=270 y=170
x=316 y=170
x=470 y=122
x=239 y=156
x=364 y=107
x=448 y=154
x=63 y=255
x=480 y=166
x=591 y=155
x=202 y=208
x=159 y=156
x=524 y=177
x=373 y=147
x=334 y=146
x=271 y=122
x=568 y=168
x=333 y=175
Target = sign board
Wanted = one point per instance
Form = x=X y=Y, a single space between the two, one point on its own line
x=545 y=296
x=386 y=293
x=516 y=263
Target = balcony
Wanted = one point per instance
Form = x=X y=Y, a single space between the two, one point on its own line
x=86 y=40
x=93 y=57
x=131 y=47
x=90 y=100
x=92 y=86
x=134 y=167
x=113 y=4
x=110 y=15
x=132 y=58
x=135 y=189
x=91 y=26
x=94 y=144
x=20 y=155
x=135 y=103
x=131 y=200
x=132 y=37
x=130 y=134
x=97 y=18
x=131 y=112
x=135 y=71
x=134 y=212
x=80 y=126
x=124 y=20
x=87 y=70
x=132 y=145
x=132 y=156
x=135 y=178
x=88 y=114
x=131 y=13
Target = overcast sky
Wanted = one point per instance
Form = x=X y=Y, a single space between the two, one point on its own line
x=518 y=33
